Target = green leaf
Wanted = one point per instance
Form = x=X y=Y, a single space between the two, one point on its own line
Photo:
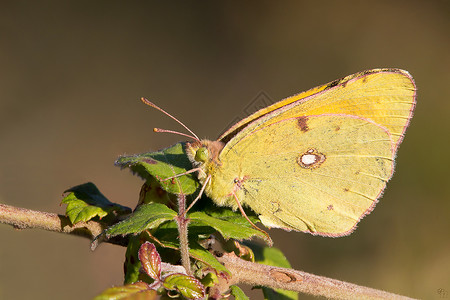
x=167 y=235
x=210 y=280
x=236 y=230
x=132 y=263
x=279 y=294
x=201 y=254
x=151 y=191
x=238 y=293
x=269 y=256
x=135 y=291
x=163 y=164
x=273 y=257
x=150 y=260
x=85 y=202
x=225 y=213
x=188 y=286
x=146 y=216
x=231 y=224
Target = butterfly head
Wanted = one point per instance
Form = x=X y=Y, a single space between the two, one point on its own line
x=204 y=154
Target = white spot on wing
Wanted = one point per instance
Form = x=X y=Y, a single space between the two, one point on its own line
x=308 y=159
x=311 y=159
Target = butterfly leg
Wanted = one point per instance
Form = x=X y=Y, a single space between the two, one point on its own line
x=199 y=194
x=181 y=174
x=268 y=239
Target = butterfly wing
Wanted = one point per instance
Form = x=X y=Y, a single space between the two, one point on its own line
x=318 y=174
x=385 y=96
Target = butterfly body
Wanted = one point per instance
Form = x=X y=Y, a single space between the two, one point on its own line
x=220 y=183
x=315 y=162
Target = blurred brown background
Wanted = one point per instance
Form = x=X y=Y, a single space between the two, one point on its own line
x=72 y=72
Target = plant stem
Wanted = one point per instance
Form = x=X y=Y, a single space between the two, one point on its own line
x=288 y=279
x=242 y=271
x=22 y=218
x=182 y=223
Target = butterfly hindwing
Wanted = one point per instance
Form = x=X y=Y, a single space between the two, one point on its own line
x=318 y=174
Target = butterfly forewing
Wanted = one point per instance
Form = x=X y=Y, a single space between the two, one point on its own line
x=385 y=96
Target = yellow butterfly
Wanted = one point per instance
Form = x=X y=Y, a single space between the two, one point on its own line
x=315 y=162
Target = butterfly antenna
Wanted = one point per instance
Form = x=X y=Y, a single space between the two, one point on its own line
x=171 y=131
x=151 y=104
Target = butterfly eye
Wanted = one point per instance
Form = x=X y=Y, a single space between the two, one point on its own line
x=201 y=154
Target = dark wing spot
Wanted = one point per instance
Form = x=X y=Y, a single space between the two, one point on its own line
x=302 y=123
x=330 y=207
x=341 y=81
x=333 y=83
x=346 y=189
x=337 y=128
x=368 y=72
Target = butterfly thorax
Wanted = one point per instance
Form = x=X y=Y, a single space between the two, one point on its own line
x=205 y=155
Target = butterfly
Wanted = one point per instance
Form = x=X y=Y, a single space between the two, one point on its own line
x=315 y=162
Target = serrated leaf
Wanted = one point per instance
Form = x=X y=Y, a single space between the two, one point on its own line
x=163 y=164
x=85 y=202
x=150 y=260
x=146 y=216
x=240 y=227
x=188 y=286
x=238 y=293
x=201 y=254
x=135 y=291
x=239 y=231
